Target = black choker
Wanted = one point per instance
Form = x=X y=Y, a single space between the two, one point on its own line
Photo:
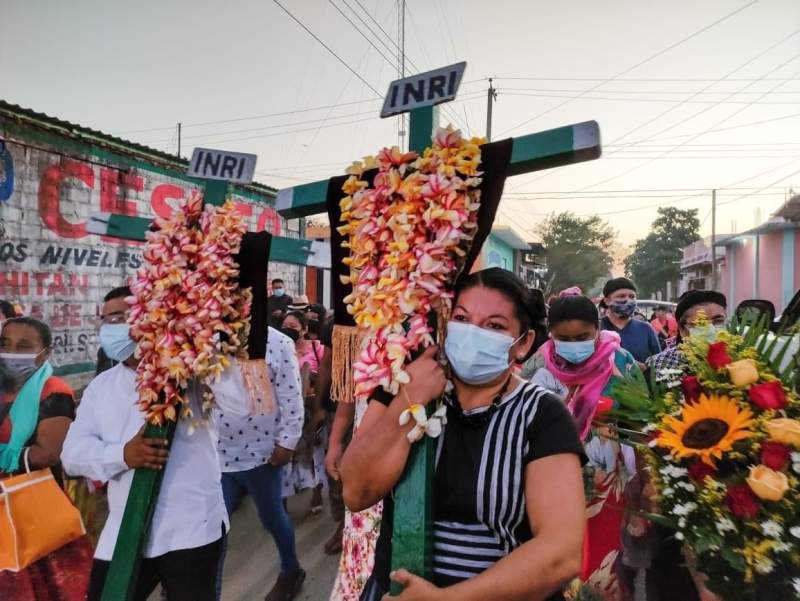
x=481 y=418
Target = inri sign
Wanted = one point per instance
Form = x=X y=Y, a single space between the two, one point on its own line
x=236 y=167
x=425 y=89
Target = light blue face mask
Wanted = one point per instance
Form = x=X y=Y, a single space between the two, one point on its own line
x=278 y=292
x=116 y=341
x=574 y=352
x=477 y=355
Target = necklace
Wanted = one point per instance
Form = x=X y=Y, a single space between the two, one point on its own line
x=477 y=420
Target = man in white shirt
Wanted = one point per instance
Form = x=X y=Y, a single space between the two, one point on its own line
x=253 y=450
x=106 y=443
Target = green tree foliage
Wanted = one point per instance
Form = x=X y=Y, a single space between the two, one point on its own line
x=578 y=250
x=655 y=259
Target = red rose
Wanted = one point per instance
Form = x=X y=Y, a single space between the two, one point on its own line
x=775 y=455
x=691 y=388
x=700 y=471
x=742 y=502
x=718 y=356
x=768 y=395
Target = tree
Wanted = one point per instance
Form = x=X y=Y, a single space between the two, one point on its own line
x=655 y=259
x=578 y=250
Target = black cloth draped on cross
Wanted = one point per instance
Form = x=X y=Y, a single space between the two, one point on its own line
x=495 y=160
x=253 y=260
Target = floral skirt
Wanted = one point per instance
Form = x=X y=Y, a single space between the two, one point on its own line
x=61 y=576
x=358 y=552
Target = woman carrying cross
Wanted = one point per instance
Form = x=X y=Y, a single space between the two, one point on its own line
x=508 y=494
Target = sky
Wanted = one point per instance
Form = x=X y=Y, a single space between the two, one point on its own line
x=690 y=96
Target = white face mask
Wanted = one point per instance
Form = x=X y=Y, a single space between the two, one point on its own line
x=707 y=332
x=477 y=355
x=21 y=365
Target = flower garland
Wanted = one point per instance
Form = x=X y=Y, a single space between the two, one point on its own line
x=188 y=313
x=726 y=462
x=408 y=235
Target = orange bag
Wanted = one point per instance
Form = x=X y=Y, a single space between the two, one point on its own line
x=36 y=518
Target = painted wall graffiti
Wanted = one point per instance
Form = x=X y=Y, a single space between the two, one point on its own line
x=52 y=265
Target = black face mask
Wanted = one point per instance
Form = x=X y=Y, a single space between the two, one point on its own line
x=291 y=333
x=313 y=325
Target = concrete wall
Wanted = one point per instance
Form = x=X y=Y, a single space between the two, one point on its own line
x=59 y=272
x=779 y=268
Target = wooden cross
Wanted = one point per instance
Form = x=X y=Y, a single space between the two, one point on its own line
x=143 y=495
x=412 y=535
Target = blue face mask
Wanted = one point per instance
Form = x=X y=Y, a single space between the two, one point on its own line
x=20 y=365
x=574 y=352
x=477 y=355
x=277 y=292
x=623 y=308
x=116 y=341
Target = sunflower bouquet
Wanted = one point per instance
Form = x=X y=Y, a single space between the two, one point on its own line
x=725 y=459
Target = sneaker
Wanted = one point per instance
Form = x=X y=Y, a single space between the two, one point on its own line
x=287 y=586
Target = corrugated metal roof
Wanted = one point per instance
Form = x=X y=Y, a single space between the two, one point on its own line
x=92 y=136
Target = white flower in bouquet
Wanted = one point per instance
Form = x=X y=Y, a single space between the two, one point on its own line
x=782 y=547
x=765 y=566
x=795 y=532
x=679 y=536
x=684 y=509
x=771 y=528
x=668 y=492
x=796 y=585
x=725 y=525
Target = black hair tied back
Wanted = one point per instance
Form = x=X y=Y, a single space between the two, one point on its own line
x=573 y=307
x=529 y=305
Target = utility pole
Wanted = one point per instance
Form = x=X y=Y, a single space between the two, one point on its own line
x=179 y=139
x=713 y=239
x=492 y=96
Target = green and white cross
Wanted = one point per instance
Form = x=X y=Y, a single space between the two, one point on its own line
x=145 y=485
x=413 y=495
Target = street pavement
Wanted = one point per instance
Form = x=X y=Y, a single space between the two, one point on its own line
x=252 y=563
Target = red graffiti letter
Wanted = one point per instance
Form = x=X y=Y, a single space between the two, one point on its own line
x=50 y=196
x=270 y=221
x=111 y=180
x=158 y=199
x=244 y=209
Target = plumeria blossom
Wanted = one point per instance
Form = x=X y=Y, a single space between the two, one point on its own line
x=431 y=426
x=407 y=237
x=187 y=312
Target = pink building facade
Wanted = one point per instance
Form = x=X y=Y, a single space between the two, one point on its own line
x=761 y=263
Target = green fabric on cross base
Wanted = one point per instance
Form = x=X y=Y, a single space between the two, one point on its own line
x=139 y=509
x=412 y=532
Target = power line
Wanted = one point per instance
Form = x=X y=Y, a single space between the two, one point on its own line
x=630 y=99
x=673 y=126
x=254 y=117
x=646 y=92
x=324 y=45
x=637 y=65
x=639 y=80
x=361 y=33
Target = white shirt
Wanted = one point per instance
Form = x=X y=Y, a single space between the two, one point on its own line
x=246 y=442
x=190 y=510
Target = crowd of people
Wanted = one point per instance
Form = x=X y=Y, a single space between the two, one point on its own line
x=531 y=490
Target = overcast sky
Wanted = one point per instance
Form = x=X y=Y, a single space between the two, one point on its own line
x=650 y=73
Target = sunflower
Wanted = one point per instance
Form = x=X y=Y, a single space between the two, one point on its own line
x=707 y=428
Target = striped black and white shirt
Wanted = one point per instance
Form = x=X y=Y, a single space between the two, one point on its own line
x=479 y=489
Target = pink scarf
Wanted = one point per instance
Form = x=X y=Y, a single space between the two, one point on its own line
x=590 y=377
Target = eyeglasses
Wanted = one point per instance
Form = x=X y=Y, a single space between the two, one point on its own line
x=114 y=318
